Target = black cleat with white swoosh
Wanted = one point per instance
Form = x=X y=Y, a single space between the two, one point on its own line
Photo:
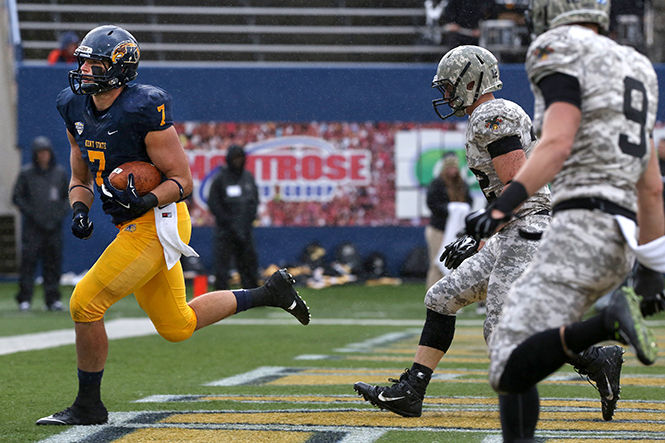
x=280 y=284
x=400 y=398
x=602 y=367
x=76 y=415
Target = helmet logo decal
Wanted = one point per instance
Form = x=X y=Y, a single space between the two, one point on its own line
x=84 y=50
x=493 y=123
x=79 y=127
x=128 y=51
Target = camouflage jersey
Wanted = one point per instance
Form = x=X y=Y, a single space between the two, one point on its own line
x=488 y=123
x=619 y=93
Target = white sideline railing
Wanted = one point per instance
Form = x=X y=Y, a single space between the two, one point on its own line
x=222 y=10
x=249 y=47
x=244 y=29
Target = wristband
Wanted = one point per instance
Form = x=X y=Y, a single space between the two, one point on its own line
x=79 y=207
x=81 y=186
x=511 y=198
x=182 y=191
x=150 y=200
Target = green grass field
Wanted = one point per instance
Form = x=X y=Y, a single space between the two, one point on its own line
x=263 y=377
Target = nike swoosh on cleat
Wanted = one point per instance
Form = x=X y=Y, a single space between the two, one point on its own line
x=610 y=396
x=111 y=132
x=382 y=398
x=293 y=305
x=51 y=419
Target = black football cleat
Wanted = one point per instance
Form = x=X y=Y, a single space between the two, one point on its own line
x=75 y=415
x=624 y=318
x=399 y=398
x=601 y=366
x=280 y=284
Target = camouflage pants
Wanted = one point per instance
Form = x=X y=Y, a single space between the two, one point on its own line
x=582 y=256
x=488 y=274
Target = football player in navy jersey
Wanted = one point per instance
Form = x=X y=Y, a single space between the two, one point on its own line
x=110 y=122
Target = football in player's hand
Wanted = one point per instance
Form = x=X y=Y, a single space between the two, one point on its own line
x=146 y=176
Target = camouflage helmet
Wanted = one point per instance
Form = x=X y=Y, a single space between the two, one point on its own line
x=545 y=14
x=464 y=74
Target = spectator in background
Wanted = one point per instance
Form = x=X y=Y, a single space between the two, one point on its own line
x=627 y=23
x=432 y=16
x=462 y=18
x=69 y=41
x=514 y=39
x=40 y=193
x=448 y=200
x=234 y=200
x=509 y=10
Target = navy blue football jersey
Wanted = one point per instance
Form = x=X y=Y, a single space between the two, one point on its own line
x=117 y=135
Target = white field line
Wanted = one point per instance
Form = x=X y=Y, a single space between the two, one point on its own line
x=137 y=327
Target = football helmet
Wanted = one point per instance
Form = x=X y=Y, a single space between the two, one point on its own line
x=464 y=74
x=545 y=14
x=117 y=49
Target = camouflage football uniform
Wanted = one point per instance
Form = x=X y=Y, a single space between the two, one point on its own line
x=490 y=272
x=583 y=254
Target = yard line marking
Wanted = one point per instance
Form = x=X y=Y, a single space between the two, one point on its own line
x=138 y=327
x=359 y=425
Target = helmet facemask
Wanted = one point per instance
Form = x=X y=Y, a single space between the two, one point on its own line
x=100 y=80
x=451 y=97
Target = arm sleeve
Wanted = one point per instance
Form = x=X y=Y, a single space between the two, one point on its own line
x=504 y=145
x=559 y=87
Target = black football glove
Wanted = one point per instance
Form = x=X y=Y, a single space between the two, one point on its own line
x=459 y=250
x=480 y=224
x=81 y=224
x=127 y=202
x=649 y=285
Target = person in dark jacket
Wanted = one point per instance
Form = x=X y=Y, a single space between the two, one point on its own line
x=234 y=200
x=40 y=193
x=462 y=21
x=447 y=187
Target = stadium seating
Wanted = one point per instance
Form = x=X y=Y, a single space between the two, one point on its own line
x=242 y=30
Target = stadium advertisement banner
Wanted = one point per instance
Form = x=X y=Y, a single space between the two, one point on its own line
x=325 y=174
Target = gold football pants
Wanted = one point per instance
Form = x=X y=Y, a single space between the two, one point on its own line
x=134 y=263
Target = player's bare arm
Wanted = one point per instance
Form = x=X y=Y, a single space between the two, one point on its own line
x=166 y=152
x=560 y=124
x=81 y=182
x=508 y=164
x=650 y=201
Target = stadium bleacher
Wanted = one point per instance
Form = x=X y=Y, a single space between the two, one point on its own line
x=242 y=30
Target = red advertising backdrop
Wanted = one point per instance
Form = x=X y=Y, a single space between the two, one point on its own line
x=309 y=174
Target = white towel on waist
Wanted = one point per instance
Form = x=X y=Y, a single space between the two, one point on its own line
x=166 y=222
x=652 y=254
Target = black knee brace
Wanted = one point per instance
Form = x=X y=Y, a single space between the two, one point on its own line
x=438 y=331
